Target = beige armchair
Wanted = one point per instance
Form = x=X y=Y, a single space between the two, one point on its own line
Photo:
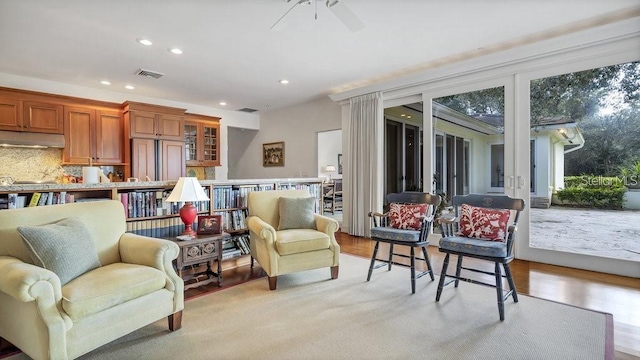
x=134 y=285
x=287 y=251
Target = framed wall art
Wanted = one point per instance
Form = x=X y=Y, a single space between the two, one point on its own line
x=209 y=224
x=273 y=154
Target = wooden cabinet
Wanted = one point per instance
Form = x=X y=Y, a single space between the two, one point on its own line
x=42 y=117
x=202 y=140
x=143 y=159
x=95 y=134
x=157 y=159
x=172 y=161
x=31 y=116
x=10 y=114
x=155 y=122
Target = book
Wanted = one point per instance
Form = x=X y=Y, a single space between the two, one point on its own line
x=13 y=201
x=43 y=199
x=35 y=199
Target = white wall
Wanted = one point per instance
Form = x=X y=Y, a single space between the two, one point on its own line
x=329 y=146
x=297 y=126
x=229 y=117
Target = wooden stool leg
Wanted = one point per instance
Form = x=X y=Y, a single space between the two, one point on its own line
x=512 y=285
x=373 y=259
x=458 y=268
x=443 y=275
x=499 y=291
x=413 y=270
x=426 y=259
x=390 y=255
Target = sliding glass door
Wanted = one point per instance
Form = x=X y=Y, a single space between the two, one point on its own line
x=469 y=141
x=583 y=155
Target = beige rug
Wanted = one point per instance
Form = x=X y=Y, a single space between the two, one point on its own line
x=312 y=317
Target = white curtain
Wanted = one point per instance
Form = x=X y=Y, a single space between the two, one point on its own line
x=363 y=180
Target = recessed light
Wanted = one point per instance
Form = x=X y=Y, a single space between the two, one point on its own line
x=223 y=103
x=105 y=82
x=409 y=117
x=146 y=42
x=403 y=115
x=176 y=51
x=284 y=81
x=130 y=87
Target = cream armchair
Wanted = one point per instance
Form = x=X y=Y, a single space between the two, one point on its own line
x=134 y=286
x=282 y=252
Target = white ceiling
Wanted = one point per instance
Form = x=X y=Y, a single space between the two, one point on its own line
x=231 y=54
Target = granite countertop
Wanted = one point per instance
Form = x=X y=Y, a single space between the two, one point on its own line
x=145 y=184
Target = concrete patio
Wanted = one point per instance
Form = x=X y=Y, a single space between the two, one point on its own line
x=607 y=233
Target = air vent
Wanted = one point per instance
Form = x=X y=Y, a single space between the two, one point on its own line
x=149 y=73
x=247 y=110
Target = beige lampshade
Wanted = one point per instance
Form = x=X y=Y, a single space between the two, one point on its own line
x=330 y=168
x=187 y=189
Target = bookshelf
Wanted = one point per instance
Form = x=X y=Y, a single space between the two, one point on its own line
x=149 y=214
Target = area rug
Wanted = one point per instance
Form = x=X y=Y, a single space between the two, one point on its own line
x=310 y=316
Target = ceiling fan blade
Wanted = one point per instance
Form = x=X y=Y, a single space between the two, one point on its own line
x=288 y=11
x=342 y=12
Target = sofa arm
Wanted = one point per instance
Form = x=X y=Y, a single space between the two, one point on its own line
x=157 y=253
x=144 y=250
x=326 y=224
x=26 y=282
x=261 y=228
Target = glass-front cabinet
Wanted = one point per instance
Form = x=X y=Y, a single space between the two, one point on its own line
x=202 y=140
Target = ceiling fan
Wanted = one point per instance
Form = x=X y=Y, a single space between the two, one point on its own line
x=337 y=7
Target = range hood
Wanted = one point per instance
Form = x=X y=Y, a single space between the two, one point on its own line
x=30 y=140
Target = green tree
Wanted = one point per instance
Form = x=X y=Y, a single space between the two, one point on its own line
x=610 y=140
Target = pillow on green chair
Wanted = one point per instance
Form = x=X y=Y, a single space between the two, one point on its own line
x=65 y=247
x=296 y=213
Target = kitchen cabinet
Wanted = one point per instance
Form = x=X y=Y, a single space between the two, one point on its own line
x=31 y=116
x=155 y=122
x=10 y=114
x=157 y=159
x=202 y=140
x=96 y=134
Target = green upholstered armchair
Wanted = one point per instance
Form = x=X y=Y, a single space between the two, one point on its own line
x=281 y=250
x=134 y=284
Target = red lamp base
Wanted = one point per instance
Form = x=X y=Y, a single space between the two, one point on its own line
x=188 y=215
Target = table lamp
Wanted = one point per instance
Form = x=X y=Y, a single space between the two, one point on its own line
x=187 y=190
x=329 y=169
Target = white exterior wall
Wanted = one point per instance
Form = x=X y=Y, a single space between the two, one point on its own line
x=557 y=180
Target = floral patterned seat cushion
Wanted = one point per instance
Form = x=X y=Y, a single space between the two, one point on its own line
x=483 y=223
x=407 y=216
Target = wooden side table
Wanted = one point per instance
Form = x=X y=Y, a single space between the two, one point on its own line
x=203 y=248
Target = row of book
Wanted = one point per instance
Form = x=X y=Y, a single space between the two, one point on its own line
x=44 y=198
x=236 y=246
x=233 y=220
x=235 y=196
x=158 y=228
x=140 y=204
